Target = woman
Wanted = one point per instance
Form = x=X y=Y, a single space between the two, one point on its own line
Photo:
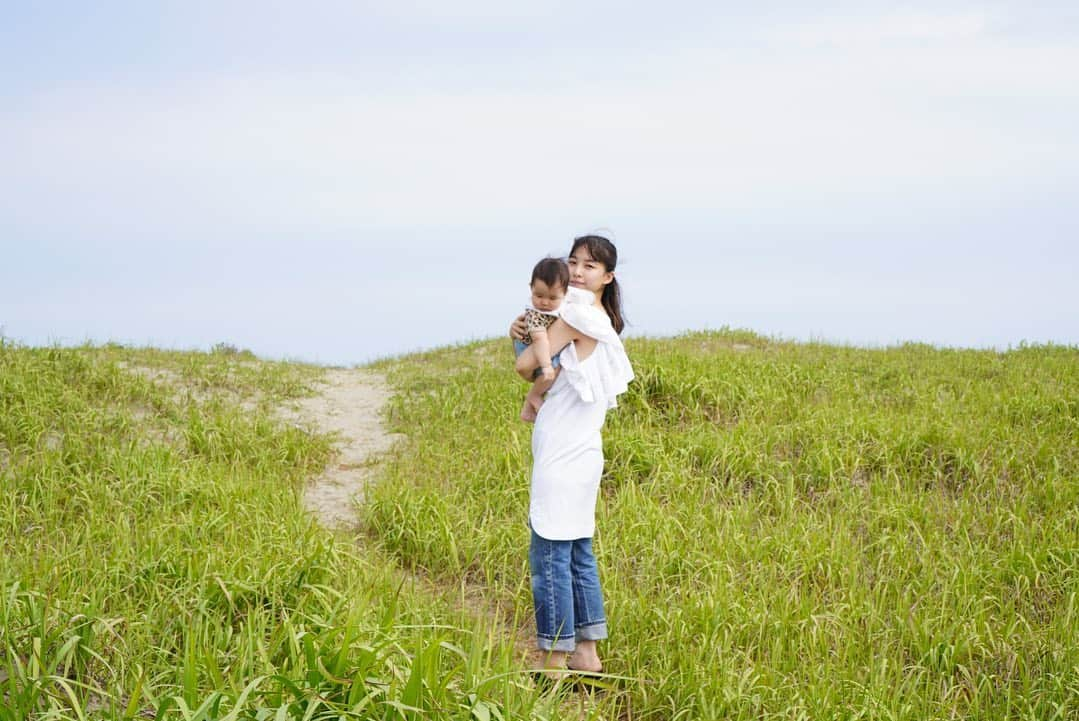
x=567 y=459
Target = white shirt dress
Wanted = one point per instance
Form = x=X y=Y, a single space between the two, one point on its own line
x=567 y=449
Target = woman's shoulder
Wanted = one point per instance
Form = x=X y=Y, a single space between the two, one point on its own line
x=590 y=321
x=604 y=374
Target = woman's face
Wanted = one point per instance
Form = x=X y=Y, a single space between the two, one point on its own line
x=586 y=272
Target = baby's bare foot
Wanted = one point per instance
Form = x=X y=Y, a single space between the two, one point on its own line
x=528 y=413
x=531 y=408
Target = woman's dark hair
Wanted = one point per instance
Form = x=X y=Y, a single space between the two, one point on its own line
x=603 y=251
x=552 y=271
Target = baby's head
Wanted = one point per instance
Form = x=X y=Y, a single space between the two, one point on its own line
x=550 y=279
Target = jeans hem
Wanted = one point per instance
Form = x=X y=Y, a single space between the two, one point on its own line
x=591 y=632
x=555 y=644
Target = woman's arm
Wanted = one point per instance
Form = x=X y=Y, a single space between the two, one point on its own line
x=518 y=328
x=560 y=334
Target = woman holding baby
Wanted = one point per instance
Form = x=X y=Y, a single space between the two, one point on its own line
x=567 y=454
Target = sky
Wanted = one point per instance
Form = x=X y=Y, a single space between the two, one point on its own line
x=342 y=181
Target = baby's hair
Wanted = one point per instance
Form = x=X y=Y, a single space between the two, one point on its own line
x=552 y=271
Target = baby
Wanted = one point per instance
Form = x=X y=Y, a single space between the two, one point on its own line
x=549 y=286
x=550 y=281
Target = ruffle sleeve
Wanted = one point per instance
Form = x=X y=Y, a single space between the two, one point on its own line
x=591 y=321
x=579 y=295
x=606 y=373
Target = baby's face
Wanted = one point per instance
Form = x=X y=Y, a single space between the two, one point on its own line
x=545 y=297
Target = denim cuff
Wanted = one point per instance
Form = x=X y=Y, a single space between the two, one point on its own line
x=559 y=644
x=592 y=632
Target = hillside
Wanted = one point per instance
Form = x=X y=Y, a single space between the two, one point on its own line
x=785 y=531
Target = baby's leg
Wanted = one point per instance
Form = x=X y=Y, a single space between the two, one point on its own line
x=534 y=399
x=529 y=410
x=540 y=385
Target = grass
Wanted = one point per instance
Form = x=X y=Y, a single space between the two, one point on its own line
x=156 y=561
x=787 y=531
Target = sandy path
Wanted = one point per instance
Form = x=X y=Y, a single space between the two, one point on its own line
x=348 y=405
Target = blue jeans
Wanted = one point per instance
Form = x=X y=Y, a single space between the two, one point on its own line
x=519 y=348
x=566 y=593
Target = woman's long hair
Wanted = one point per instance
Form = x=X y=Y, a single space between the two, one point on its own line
x=603 y=251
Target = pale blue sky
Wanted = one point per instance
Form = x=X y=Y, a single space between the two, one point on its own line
x=339 y=181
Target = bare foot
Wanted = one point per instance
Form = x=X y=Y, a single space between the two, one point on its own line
x=530 y=409
x=552 y=663
x=585 y=658
x=528 y=412
x=536 y=400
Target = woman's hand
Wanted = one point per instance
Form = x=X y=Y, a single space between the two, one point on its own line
x=517 y=330
x=559 y=335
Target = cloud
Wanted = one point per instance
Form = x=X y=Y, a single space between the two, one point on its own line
x=833 y=115
x=886 y=29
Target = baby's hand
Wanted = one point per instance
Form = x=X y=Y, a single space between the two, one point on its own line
x=548 y=373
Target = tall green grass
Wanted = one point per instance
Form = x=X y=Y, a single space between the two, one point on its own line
x=156 y=560
x=786 y=530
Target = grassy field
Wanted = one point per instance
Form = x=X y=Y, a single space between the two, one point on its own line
x=156 y=561
x=785 y=531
